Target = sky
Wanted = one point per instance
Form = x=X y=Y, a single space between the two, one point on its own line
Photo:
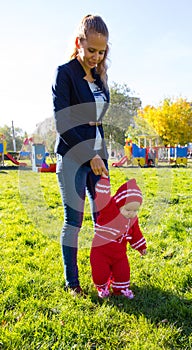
x=150 y=51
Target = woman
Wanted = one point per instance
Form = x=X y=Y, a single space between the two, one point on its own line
x=80 y=99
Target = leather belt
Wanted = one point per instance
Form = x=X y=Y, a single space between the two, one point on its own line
x=95 y=123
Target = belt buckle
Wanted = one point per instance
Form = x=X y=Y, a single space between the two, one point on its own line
x=94 y=123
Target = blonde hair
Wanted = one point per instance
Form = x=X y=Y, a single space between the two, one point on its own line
x=91 y=23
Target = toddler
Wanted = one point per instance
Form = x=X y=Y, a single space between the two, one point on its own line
x=117 y=224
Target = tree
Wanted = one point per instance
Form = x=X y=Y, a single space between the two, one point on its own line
x=120 y=113
x=46 y=133
x=141 y=128
x=172 y=120
x=19 y=137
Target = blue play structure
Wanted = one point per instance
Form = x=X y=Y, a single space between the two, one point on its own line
x=182 y=151
x=178 y=155
x=39 y=159
x=38 y=156
x=139 y=155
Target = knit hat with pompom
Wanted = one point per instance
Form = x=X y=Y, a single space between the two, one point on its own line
x=127 y=193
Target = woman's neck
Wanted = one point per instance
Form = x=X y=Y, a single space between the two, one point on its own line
x=88 y=74
x=89 y=78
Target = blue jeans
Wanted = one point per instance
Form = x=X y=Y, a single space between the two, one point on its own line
x=74 y=181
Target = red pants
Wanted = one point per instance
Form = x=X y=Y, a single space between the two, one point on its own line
x=110 y=265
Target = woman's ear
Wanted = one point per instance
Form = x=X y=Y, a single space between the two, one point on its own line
x=77 y=43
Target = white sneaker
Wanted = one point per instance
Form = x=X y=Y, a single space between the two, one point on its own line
x=127 y=293
x=103 y=293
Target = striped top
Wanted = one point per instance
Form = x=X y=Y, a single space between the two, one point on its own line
x=100 y=100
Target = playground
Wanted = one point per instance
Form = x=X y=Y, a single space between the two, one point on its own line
x=38 y=313
x=152 y=155
x=145 y=154
x=36 y=157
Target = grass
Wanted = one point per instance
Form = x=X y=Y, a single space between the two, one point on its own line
x=36 y=313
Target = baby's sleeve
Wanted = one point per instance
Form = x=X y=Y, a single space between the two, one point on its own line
x=137 y=242
x=103 y=193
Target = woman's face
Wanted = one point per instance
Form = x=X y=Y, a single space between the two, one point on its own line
x=91 y=50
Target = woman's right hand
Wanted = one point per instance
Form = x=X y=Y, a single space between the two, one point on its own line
x=98 y=166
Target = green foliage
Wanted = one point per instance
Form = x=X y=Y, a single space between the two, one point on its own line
x=19 y=137
x=46 y=133
x=120 y=113
x=141 y=128
x=36 y=313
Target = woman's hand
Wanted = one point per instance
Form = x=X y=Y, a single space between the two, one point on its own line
x=98 y=166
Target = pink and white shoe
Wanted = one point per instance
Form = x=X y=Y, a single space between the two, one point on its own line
x=103 y=293
x=127 y=293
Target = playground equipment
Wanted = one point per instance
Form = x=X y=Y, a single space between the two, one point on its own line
x=5 y=155
x=134 y=155
x=128 y=153
x=152 y=155
x=51 y=168
x=146 y=154
x=14 y=160
x=26 y=149
x=178 y=155
x=38 y=156
x=3 y=145
x=138 y=155
x=39 y=159
x=122 y=161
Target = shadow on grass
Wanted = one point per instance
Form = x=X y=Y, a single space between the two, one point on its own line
x=160 y=307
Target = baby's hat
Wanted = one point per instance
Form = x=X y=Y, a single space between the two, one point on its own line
x=127 y=193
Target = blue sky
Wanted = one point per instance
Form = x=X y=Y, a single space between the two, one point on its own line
x=150 y=40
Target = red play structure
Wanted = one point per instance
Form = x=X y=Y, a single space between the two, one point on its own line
x=14 y=160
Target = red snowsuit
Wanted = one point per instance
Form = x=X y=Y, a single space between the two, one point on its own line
x=108 y=256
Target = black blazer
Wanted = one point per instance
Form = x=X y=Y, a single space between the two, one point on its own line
x=74 y=107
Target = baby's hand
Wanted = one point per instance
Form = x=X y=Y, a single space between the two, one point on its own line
x=143 y=252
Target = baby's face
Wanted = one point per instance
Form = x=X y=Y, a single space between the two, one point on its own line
x=130 y=210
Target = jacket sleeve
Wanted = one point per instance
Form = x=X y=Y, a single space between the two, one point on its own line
x=137 y=241
x=61 y=89
x=66 y=121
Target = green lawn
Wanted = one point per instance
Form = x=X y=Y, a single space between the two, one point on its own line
x=36 y=313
